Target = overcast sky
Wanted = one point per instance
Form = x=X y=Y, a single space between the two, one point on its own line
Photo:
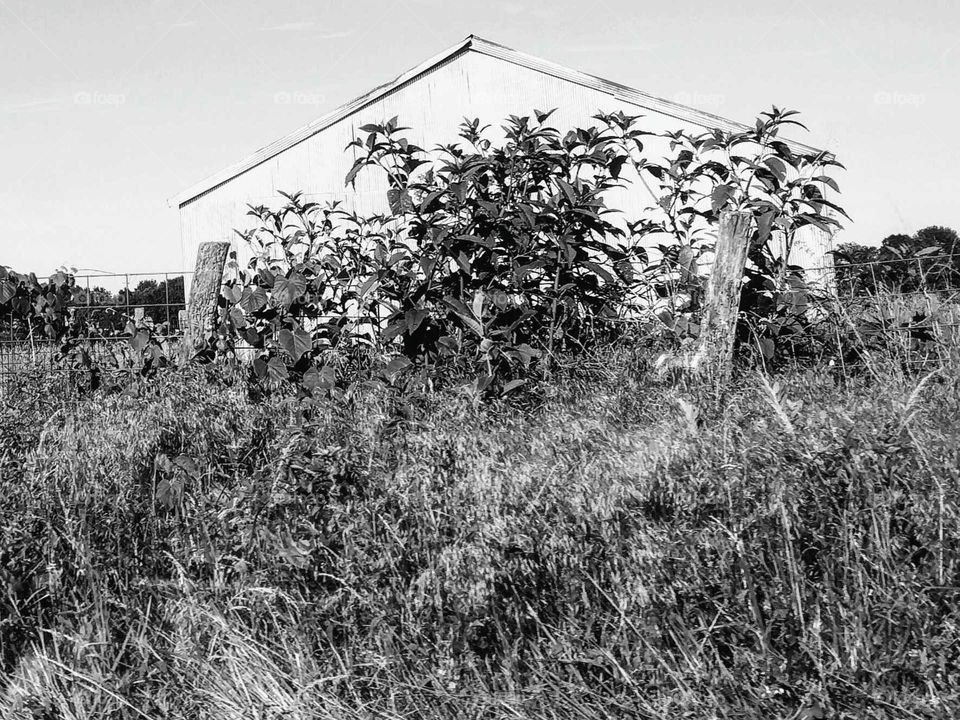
x=108 y=108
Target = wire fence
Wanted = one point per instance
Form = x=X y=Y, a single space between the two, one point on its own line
x=106 y=306
x=904 y=309
x=929 y=284
x=915 y=302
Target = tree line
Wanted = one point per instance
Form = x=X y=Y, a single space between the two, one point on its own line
x=927 y=260
x=96 y=310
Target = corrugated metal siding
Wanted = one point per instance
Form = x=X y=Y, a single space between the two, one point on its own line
x=812 y=250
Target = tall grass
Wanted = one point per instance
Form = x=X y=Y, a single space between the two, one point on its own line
x=608 y=545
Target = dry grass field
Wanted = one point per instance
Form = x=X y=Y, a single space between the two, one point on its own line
x=609 y=544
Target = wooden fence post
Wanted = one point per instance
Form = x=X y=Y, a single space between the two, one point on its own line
x=204 y=292
x=722 y=302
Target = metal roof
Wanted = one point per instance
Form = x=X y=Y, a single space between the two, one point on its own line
x=472 y=43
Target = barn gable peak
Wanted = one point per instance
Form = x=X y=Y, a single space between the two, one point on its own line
x=472 y=43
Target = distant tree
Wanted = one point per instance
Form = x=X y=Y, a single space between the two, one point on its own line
x=161 y=301
x=109 y=313
x=943 y=237
x=926 y=260
x=855 y=268
x=898 y=245
x=97 y=306
x=942 y=269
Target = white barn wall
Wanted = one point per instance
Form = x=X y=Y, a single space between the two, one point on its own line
x=470 y=85
x=466 y=84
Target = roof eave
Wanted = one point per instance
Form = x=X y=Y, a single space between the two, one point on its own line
x=297 y=136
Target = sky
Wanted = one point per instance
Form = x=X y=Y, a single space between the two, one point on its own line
x=109 y=108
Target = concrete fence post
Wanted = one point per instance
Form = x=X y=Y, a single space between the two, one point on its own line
x=718 y=325
x=204 y=293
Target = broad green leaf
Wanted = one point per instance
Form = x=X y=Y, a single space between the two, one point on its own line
x=429 y=200
x=720 y=195
x=295 y=343
x=764 y=225
x=140 y=341
x=397 y=365
x=187 y=464
x=415 y=317
x=319 y=379
x=478 y=299
x=267 y=278
x=253 y=337
x=482 y=382
x=568 y=190
x=616 y=166
x=354 y=171
x=778 y=167
x=512 y=385
x=286 y=291
x=237 y=318
x=465 y=314
x=311 y=379
x=232 y=294
x=828 y=181
x=529 y=214
x=399 y=200
x=276 y=370
x=599 y=270
x=767 y=348
x=369 y=284
x=7 y=291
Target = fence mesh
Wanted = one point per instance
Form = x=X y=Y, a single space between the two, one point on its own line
x=105 y=305
x=862 y=305
x=905 y=309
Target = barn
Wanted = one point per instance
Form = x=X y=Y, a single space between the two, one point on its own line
x=475 y=78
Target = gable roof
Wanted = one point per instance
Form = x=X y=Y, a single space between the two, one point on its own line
x=486 y=47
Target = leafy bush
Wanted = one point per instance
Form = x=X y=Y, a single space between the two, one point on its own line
x=507 y=254
x=499 y=257
x=302 y=297
x=754 y=172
